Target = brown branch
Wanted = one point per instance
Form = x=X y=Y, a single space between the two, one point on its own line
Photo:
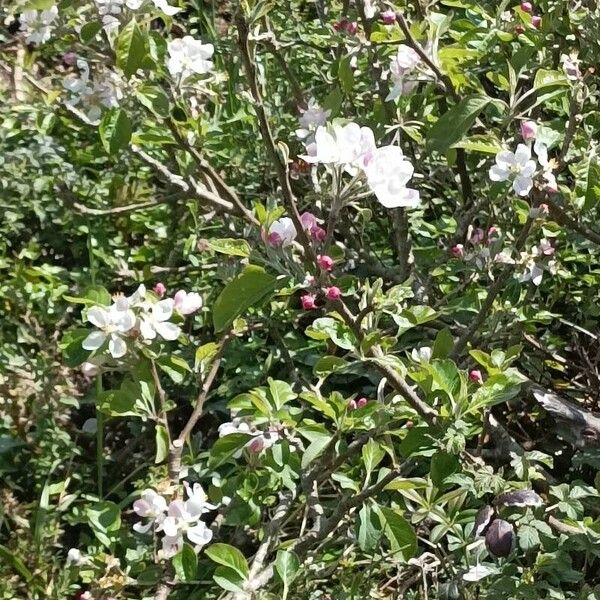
x=176 y=449
x=561 y=217
x=281 y=168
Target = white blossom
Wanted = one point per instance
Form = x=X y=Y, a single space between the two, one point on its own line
x=370 y=8
x=38 y=25
x=312 y=117
x=149 y=506
x=388 y=172
x=403 y=63
x=154 y=320
x=517 y=166
x=345 y=145
x=186 y=303
x=112 y=324
x=421 y=355
x=188 y=56
x=109 y=7
x=75 y=557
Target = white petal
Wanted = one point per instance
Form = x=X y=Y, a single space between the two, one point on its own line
x=522 y=185
x=168 y=331
x=505 y=159
x=146 y=329
x=116 y=346
x=199 y=534
x=125 y=321
x=522 y=154
x=528 y=169
x=498 y=173
x=94 y=340
x=163 y=310
x=98 y=316
x=169 y=526
x=141 y=528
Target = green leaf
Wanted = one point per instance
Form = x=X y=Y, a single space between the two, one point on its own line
x=546 y=78
x=444 y=342
x=73 y=353
x=224 y=448
x=174 y=366
x=185 y=563
x=443 y=465
x=154 y=99
x=486 y=144
x=16 y=563
x=89 y=31
x=346 y=74
x=452 y=125
x=131 y=48
x=372 y=455
x=229 y=557
x=326 y=328
x=115 y=130
x=281 y=392
x=162 y=444
x=369 y=529
x=230 y=246
x=287 y=566
x=329 y=364
x=314 y=450
x=229 y=579
x=204 y=356
x=104 y=519
x=589 y=185
x=251 y=286
x=399 y=533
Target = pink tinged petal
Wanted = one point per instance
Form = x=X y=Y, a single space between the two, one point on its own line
x=199 y=534
x=116 y=346
x=98 y=316
x=168 y=331
x=171 y=545
x=94 y=340
x=142 y=507
x=179 y=299
x=498 y=173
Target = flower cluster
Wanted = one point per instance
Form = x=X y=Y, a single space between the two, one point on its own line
x=110 y=10
x=353 y=148
x=38 y=24
x=189 y=56
x=283 y=232
x=520 y=167
x=177 y=520
x=141 y=314
x=92 y=96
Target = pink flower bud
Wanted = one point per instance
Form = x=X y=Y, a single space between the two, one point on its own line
x=477 y=237
x=318 y=233
x=352 y=28
x=409 y=424
x=388 y=16
x=458 y=251
x=352 y=405
x=544 y=208
x=361 y=402
x=325 y=262
x=70 y=58
x=333 y=293
x=475 y=376
x=519 y=29
x=274 y=239
x=528 y=130
x=526 y=7
x=308 y=220
x=536 y=21
x=492 y=231
x=257 y=445
x=308 y=302
x=160 y=289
